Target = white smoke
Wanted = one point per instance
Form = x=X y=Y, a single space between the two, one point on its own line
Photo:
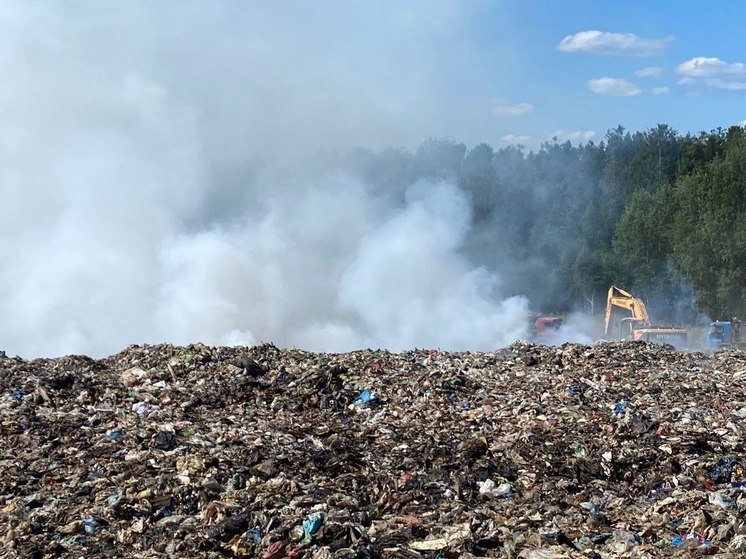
x=333 y=271
x=156 y=185
x=577 y=327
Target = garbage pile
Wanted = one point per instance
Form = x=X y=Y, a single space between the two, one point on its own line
x=622 y=449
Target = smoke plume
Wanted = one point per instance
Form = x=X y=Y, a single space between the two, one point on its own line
x=168 y=174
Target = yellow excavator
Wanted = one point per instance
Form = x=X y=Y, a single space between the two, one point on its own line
x=630 y=315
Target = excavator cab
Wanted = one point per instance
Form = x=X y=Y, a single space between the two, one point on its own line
x=628 y=326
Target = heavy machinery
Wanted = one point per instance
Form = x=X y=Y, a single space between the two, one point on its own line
x=541 y=325
x=724 y=334
x=630 y=317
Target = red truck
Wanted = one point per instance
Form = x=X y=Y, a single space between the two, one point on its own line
x=540 y=325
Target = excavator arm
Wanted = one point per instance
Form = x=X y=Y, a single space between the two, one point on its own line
x=620 y=299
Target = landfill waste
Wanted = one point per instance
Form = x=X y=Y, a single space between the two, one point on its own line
x=622 y=449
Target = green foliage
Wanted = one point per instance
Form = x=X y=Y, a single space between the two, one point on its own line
x=661 y=214
x=709 y=226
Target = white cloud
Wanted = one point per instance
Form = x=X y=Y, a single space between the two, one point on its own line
x=614 y=86
x=693 y=93
x=714 y=72
x=705 y=67
x=649 y=72
x=731 y=85
x=660 y=90
x=580 y=136
x=513 y=139
x=501 y=107
x=742 y=123
x=601 y=42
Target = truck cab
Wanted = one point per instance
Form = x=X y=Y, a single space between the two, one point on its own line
x=719 y=333
x=544 y=324
x=540 y=326
x=726 y=334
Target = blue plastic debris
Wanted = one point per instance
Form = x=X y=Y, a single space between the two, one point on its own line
x=312 y=524
x=256 y=534
x=90 y=525
x=17 y=395
x=621 y=407
x=113 y=434
x=723 y=469
x=115 y=498
x=679 y=540
x=366 y=397
x=590 y=507
x=235 y=482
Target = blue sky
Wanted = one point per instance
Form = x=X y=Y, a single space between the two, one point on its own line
x=662 y=84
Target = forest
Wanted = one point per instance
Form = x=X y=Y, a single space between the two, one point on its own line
x=659 y=213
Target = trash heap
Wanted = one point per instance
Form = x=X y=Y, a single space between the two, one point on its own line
x=617 y=450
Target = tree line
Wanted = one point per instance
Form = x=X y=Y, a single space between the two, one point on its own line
x=661 y=214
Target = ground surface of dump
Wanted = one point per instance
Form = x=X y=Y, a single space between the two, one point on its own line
x=616 y=450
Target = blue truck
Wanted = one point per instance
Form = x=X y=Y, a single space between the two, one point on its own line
x=725 y=334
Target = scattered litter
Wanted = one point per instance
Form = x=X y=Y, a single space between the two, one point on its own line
x=621 y=450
